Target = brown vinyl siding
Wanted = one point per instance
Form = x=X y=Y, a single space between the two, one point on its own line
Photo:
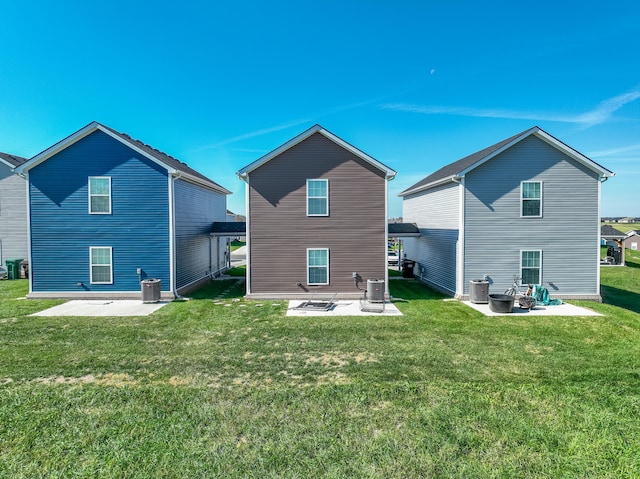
x=280 y=230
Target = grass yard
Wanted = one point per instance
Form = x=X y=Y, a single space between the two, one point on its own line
x=233 y=388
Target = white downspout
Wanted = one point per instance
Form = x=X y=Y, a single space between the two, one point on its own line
x=248 y=233
x=386 y=238
x=172 y=233
x=28 y=194
x=460 y=248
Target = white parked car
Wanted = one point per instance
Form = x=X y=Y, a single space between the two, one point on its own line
x=392 y=258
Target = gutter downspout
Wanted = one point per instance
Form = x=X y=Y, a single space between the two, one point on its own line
x=247 y=197
x=386 y=237
x=460 y=246
x=28 y=195
x=173 y=176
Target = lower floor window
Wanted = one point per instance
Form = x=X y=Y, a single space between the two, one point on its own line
x=531 y=266
x=318 y=266
x=101 y=265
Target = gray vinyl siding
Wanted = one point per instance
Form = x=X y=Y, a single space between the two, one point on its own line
x=197 y=254
x=280 y=230
x=13 y=215
x=495 y=233
x=436 y=213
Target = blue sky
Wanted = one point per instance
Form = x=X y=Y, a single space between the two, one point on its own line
x=415 y=84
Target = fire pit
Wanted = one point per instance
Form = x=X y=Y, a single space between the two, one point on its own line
x=501 y=303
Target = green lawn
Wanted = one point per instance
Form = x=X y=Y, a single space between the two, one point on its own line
x=235 y=389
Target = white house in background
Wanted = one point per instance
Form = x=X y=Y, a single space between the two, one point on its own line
x=13 y=210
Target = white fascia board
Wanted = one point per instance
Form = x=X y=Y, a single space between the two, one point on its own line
x=428 y=186
x=94 y=126
x=195 y=180
x=498 y=151
x=579 y=157
x=78 y=135
x=61 y=145
x=242 y=173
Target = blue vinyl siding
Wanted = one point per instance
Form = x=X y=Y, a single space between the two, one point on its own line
x=62 y=230
x=197 y=254
x=495 y=232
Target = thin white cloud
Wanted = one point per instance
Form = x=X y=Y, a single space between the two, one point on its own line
x=253 y=134
x=598 y=115
x=265 y=131
x=605 y=109
x=614 y=151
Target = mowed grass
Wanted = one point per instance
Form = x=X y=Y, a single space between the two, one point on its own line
x=225 y=387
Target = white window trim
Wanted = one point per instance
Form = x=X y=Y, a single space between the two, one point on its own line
x=90 y=195
x=326 y=198
x=522 y=200
x=91 y=265
x=327 y=267
x=539 y=251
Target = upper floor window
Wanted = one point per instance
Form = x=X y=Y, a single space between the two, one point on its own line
x=317 y=197
x=99 y=195
x=531 y=198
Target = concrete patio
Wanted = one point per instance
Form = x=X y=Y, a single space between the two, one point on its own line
x=104 y=307
x=564 y=309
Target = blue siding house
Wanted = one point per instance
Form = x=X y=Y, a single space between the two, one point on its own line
x=107 y=211
x=504 y=211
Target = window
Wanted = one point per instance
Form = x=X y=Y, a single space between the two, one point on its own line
x=318 y=266
x=530 y=267
x=101 y=270
x=99 y=195
x=317 y=197
x=531 y=196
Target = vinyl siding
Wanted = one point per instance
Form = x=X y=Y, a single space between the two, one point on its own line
x=280 y=231
x=62 y=230
x=436 y=213
x=495 y=233
x=13 y=215
x=197 y=254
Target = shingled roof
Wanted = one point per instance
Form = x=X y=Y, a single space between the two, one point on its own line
x=459 y=168
x=164 y=158
x=12 y=160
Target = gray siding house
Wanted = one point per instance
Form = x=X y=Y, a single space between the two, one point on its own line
x=13 y=210
x=316 y=216
x=502 y=212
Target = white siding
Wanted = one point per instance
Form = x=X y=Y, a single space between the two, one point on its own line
x=436 y=213
x=13 y=215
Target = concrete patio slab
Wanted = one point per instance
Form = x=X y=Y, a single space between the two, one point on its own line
x=342 y=308
x=564 y=309
x=105 y=307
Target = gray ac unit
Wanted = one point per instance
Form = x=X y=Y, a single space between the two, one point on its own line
x=150 y=290
x=375 y=290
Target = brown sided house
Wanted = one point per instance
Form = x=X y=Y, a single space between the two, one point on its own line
x=316 y=218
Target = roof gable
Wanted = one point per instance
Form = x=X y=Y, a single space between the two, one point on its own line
x=389 y=173
x=460 y=168
x=11 y=161
x=172 y=165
